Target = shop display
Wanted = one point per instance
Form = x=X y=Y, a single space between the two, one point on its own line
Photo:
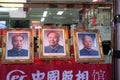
x=87 y=45
x=49 y=46
x=17 y=46
x=53 y=43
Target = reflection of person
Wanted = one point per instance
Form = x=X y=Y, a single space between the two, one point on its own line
x=17 y=42
x=54 y=46
x=87 y=50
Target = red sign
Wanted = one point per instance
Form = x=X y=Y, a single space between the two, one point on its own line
x=56 y=72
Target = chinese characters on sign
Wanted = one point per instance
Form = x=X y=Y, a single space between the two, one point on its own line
x=56 y=72
x=55 y=75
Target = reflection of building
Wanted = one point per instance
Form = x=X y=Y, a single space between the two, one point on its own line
x=104 y=17
x=97 y=17
x=2 y=24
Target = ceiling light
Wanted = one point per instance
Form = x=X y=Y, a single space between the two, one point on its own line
x=42 y=19
x=4 y=9
x=59 y=12
x=22 y=1
x=95 y=0
x=11 y=5
x=45 y=13
x=105 y=7
x=7 y=9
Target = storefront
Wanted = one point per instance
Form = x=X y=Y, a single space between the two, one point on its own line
x=70 y=21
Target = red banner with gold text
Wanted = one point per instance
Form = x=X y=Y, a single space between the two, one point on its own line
x=56 y=72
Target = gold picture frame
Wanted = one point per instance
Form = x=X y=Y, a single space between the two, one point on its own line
x=18 y=46
x=62 y=49
x=82 y=54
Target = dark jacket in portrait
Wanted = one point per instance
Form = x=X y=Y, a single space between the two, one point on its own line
x=13 y=52
x=57 y=49
x=91 y=52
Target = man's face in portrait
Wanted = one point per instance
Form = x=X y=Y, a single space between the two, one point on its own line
x=87 y=42
x=53 y=39
x=17 y=42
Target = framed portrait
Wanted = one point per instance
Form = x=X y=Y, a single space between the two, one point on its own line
x=87 y=45
x=53 y=43
x=17 y=46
